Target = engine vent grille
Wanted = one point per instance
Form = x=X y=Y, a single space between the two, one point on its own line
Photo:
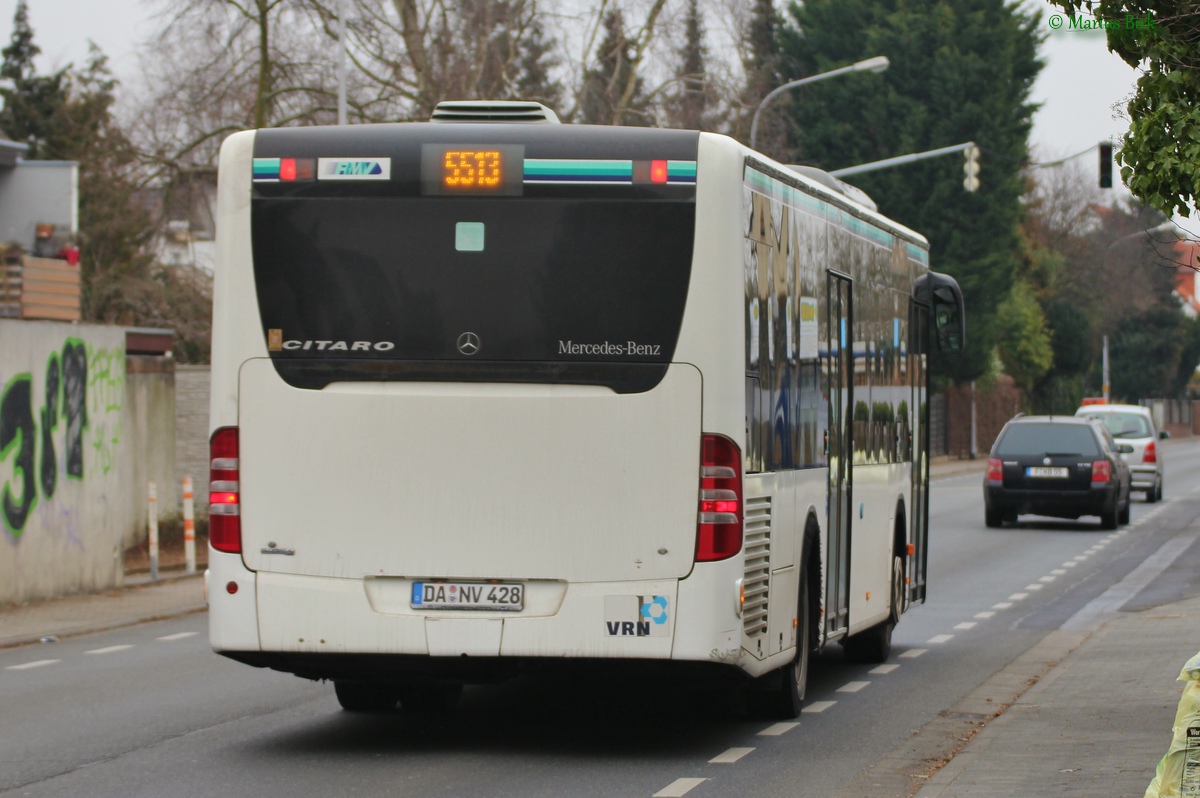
x=493 y=111
x=757 y=580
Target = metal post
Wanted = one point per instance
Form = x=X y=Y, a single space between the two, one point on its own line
x=1105 y=369
x=152 y=520
x=341 y=109
x=189 y=527
x=974 y=443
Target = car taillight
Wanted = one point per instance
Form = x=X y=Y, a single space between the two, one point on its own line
x=995 y=469
x=1150 y=453
x=1101 y=471
x=224 y=505
x=719 y=528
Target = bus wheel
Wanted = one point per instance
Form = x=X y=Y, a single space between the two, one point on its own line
x=431 y=698
x=365 y=697
x=781 y=694
x=874 y=645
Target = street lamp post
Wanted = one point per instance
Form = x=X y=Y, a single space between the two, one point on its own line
x=876 y=64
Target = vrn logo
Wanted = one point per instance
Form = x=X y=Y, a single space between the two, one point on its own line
x=636 y=616
x=355 y=168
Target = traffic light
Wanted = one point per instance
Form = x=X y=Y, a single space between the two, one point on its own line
x=971 y=168
x=1105 y=165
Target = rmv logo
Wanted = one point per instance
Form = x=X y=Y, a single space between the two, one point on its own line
x=358 y=168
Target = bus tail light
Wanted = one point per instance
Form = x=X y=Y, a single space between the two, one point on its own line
x=995 y=469
x=1101 y=471
x=224 y=492
x=719 y=529
x=1150 y=453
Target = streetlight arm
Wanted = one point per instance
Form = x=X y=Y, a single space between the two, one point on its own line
x=876 y=64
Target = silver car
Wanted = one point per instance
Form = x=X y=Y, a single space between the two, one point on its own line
x=1134 y=425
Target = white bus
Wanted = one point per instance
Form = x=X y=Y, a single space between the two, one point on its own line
x=490 y=396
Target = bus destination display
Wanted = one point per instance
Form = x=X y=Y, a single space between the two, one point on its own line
x=461 y=170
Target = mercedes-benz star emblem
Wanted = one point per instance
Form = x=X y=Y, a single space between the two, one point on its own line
x=468 y=343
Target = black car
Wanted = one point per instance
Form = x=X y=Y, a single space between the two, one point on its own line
x=1060 y=466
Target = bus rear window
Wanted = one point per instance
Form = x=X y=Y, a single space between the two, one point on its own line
x=463 y=289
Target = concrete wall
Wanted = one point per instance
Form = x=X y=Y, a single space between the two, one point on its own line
x=65 y=464
x=191 y=431
x=150 y=396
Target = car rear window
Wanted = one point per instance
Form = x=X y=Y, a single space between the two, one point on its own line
x=1048 y=438
x=1125 y=425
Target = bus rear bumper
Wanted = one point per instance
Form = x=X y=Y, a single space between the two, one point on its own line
x=325 y=627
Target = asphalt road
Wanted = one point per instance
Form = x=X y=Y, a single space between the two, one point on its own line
x=150 y=711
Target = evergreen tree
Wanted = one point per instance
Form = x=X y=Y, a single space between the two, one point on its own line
x=31 y=105
x=961 y=70
x=762 y=63
x=612 y=91
x=691 y=94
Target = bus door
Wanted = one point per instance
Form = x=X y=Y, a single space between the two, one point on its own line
x=918 y=346
x=840 y=449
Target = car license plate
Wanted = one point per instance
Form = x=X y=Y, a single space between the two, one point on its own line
x=1038 y=471
x=496 y=596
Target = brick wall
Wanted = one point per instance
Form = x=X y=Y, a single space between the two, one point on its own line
x=993 y=408
x=191 y=431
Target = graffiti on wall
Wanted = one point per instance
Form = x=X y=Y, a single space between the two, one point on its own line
x=47 y=435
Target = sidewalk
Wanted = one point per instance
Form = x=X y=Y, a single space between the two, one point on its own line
x=1096 y=725
x=139 y=601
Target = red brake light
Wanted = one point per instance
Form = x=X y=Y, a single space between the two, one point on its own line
x=658 y=171
x=287 y=168
x=224 y=509
x=1150 y=453
x=719 y=527
x=1101 y=471
x=995 y=469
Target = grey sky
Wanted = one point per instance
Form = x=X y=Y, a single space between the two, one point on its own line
x=1078 y=88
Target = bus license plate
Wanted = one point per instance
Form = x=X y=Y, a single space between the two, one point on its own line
x=1037 y=471
x=495 y=596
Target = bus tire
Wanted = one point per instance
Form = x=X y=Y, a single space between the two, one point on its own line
x=365 y=697
x=780 y=694
x=874 y=645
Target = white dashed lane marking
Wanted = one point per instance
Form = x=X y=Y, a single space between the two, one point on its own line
x=913 y=653
x=983 y=616
x=1018 y=596
x=109 y=650
x=884 y=669
x=177 y=636
x=678 y=788
x=940 y=638
x=965 y=625
x=1034 y=586
x=777 y=729
x=1003 y=605
x=852 y=687
x=817 y=707
x=35 y=664
x=730 y=756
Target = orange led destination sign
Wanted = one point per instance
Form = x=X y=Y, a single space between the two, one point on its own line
x=473 y=169
x=453 y=169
